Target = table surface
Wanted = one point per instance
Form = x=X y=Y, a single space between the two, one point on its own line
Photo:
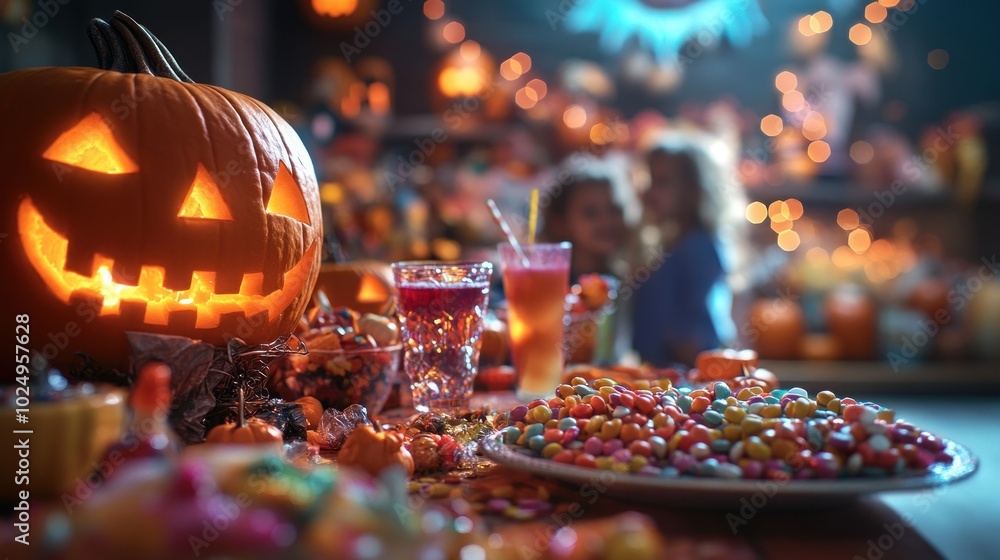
x=957 y=521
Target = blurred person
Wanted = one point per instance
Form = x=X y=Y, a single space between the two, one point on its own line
x=584 y=211
x=693 y=217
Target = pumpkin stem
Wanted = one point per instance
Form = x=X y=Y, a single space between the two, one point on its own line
x=126 y=46
x=243 y=418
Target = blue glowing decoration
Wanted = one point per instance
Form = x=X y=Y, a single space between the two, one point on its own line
x=665 y=26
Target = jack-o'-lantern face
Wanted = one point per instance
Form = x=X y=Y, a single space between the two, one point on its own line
x=159 y=205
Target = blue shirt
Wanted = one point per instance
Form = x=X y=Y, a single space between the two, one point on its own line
x=685 y=300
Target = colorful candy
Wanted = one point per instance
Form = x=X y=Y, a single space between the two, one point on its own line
x=659 y=430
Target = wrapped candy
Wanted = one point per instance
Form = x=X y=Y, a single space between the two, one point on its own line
x=335 y=425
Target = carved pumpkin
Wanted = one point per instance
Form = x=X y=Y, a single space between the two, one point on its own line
x=365 y=286
x=374 y=450
x=140 y=200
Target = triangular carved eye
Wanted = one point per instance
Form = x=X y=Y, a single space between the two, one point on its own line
x=91 y=145
x=204 y=199
x=286 y=197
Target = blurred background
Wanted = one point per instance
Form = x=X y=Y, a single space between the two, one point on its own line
x=861 y=140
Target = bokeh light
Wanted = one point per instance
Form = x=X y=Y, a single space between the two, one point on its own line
x=771 y=125
x=523 y=60
x=818 y=151
x=875 y=12
x=786 y=81
x=814 y=126
x=862 y=152
x=848 y=219
x=788 y=240
x=756 y=212
x=433 y=9
x=793 y=101
x=470 y=51
x=860 y=34
x=454 y=32
x=575 y=116
x=859 y=240
x=795 y=208
x=938 y=59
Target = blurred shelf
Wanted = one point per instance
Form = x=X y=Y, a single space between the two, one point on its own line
x=864 y=377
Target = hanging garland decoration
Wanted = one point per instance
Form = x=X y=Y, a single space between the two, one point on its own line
x=665 y=26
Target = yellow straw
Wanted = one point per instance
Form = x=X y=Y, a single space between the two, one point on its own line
x=533 y=216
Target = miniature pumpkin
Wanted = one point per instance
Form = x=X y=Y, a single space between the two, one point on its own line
x=138 y=200
x=373 y=450
x=725 y=363
x=313 y=410
x=776 y=328
x=245 y=432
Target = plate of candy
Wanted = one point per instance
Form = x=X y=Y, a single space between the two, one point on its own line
x=717 y=446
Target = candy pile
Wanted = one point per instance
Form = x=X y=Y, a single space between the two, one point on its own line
x=658 y=430
x=352 y=358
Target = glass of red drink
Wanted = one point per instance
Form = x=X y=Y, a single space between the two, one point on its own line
x=536 y=288
x=441 y=308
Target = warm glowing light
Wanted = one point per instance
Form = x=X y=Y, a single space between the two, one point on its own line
x=778 y=211
x=372 y=289
x=756 y=212
x=204 y=200
x=788 y=240
x=91 y=145
x=795 y=208
x=46 y=250
x=526 y=98
x=862 y=152
x=470 y=51
x=859 y=240
x=875 y=12
x=814 y=126
x=786 y=81
x=771 y=125
x=817 y=256
x=818 y=151
x=781 y=226
x=848 y=219
x=379 y=98
x=806 y=26
x=433 y=9
x=510 y=70
x=889 y=3
x=878 y=271
x=601 y=133
x=334 y=8
x=465 y=81
x=843 y=257
x=860 y=34
x=453 y=32
x=820 y=22
x=539 y=87
x=881 y=249
x=793 y=101
x=938 y=59
x=523 y=61
x=575 y=116
x=286 y=197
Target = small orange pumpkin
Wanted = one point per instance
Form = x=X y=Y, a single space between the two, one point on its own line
x=365 y=286
x=312 y=409
x=245 y=432
x=725 y=364
x=373 y=450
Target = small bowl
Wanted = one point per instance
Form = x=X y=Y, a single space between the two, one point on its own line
x=339 y=378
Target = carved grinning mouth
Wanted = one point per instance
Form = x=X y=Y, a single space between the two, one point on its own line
x=46 y=250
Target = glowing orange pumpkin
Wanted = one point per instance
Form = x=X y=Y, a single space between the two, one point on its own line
x=139 y=200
